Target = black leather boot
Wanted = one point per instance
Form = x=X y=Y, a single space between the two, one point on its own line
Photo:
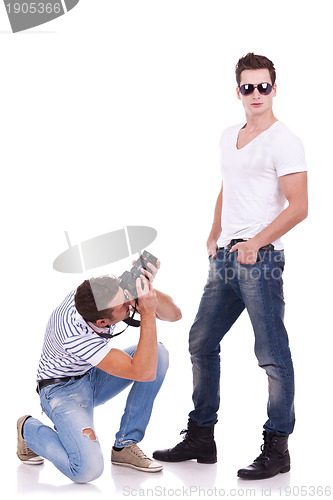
x=198 y=443
x=274 y=458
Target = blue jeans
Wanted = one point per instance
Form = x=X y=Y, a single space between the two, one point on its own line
x=231 y=287
x=71 y=447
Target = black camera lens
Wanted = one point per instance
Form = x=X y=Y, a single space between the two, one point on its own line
x=127 y=280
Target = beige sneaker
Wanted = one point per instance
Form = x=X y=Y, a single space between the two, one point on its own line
x=132 y=456
x=23 y=452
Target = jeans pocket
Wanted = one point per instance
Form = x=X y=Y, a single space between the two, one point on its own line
x=260 y=258
x=279 y=259
x=50 y=390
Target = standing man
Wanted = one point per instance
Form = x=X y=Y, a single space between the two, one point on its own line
x=79 y=370
x=263 y=167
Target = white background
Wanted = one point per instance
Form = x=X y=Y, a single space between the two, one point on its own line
x=111 y=116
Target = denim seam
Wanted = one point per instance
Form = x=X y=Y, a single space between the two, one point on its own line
x=128 y=408
x=205 y=353
x=277 y=344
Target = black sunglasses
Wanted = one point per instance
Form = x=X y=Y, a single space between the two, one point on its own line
x=263 y=88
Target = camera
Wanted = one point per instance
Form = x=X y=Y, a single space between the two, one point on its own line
x=127 y=280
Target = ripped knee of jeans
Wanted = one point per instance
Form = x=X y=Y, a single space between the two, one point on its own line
x=89 y=433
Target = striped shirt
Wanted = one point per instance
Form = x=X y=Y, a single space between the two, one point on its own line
x=71 y=345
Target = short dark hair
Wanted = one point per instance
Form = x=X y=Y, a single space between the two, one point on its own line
x=253 y=61
x=93 y=296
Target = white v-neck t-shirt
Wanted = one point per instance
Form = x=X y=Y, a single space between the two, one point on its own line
x=252 y=193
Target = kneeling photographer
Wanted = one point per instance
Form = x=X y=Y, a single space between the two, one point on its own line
x=79 y=370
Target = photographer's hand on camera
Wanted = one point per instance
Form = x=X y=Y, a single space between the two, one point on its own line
x=147 y=300
x=153 y=270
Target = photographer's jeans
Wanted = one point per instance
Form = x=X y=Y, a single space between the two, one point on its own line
x=73 y=446
x=231 y=287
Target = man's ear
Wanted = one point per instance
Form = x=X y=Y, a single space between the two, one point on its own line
x=102 y=323
x=238 y=94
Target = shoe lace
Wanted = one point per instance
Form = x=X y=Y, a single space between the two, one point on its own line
x=137 y=451
x=262 y=458
x=26 y=450
x=265 y=450
x=183 y=433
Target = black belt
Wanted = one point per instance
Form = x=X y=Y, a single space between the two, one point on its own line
x=50 y=381
x=268 y=247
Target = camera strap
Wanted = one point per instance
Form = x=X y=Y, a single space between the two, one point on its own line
x=129 y=321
